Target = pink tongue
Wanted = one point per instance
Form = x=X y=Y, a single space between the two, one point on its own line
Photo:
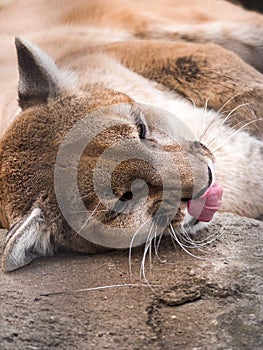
x=204 y=207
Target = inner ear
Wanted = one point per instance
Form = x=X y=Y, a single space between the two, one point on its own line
x=39 y=77
x=27 y=240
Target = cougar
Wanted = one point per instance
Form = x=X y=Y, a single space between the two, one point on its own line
x=131 y=119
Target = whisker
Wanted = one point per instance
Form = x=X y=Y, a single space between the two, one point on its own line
x=85 y=211
x=142 y=271
x=214 y=137
x=95 y=289
x=216 y=115
x=85 y=223
x=147 y=244
x=87 y=195
x=236 y=132
x=146 y=249
x=93 y=193
x=195 y=117
x=226 y=118
x=174 y=236
x=156 y=246
x=189 y=242
x=131 y=244
x=205 y=114
x=223 y=122
x=197 y=244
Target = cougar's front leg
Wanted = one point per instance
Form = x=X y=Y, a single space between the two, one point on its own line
x=205 y=73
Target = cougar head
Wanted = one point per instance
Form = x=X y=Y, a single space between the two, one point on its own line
x=91 y=169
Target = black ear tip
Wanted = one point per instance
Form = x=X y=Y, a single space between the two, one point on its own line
x=38 y=74
x=18 y=42
x=21 y=44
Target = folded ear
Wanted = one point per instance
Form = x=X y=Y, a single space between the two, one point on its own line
x=26 y=240
x=39 y=77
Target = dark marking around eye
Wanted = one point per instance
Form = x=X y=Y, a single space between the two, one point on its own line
x=141 y=126
x=142 y=130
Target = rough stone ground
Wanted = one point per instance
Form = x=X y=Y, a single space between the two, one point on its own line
x=209 y=303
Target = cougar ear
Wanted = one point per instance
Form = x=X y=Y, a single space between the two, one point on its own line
x=26 y=240
x=39 y=77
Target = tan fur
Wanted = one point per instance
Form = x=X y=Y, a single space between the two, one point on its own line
x=124 y=52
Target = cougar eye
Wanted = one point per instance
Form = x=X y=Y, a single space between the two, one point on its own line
x=142 y=130
x=139 y=122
